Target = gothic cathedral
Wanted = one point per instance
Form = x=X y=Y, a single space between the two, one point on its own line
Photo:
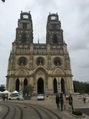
x=45 y=66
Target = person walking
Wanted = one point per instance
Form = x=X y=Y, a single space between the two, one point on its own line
x=84 y=99
x=3 y=97
x=71 y=101
x=57 y=100
x=61 y=101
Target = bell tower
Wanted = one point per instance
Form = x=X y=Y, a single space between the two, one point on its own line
x=24 y=31
x=54 y=32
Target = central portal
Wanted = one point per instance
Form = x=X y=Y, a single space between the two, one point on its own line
x=40 y=86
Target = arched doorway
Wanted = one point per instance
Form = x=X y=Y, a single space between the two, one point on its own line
x=55 y=86
x=25 y=82
x=17 y=85
x=40 y=86
x=62 y=85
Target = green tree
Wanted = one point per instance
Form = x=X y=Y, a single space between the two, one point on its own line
x=87 y=87
x=81 y=87
x=2 y=88
x=28 y=89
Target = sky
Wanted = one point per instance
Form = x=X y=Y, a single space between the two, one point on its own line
x=74 y=17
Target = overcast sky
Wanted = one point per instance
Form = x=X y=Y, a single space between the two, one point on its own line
x=74 y=17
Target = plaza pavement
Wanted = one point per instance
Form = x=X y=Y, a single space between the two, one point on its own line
x=67 y=112
x=78 y=103
x=49 y=102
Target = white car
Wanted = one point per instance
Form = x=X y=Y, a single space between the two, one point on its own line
x=40 y=97
x=14 y=97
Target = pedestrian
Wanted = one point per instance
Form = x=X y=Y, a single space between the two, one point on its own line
x=71 y=101
x=61 y=101
x=84 y=99
x=3 y=97
x=57 y=100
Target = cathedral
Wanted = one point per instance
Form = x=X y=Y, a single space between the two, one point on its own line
x=45 y=66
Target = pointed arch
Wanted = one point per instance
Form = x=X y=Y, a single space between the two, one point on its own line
x=41 y=68
x=17 y=85
x=62 y=85
x=40 y=86
x=24 y=38
x=55 y=86
x=55 y=38
x=58 y=70
x=23 y=71
x=25 y=82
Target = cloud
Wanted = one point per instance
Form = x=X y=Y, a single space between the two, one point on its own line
x=74 y=18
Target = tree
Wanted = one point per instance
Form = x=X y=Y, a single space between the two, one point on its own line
x=3 y=0
x=2 y=88
x=81 y=87
x=87 y=87
x=28 y=89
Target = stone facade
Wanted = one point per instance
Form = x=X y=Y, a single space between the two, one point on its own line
x=46 y=66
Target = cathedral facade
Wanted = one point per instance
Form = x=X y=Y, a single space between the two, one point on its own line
x=45 y=66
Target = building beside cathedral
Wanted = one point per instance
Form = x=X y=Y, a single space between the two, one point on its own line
x=46 y=66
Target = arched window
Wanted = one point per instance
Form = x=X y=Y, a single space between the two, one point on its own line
x=22 y=61
x=55 y=38
x=57 y=61
x=40 y=61
x=24 y=38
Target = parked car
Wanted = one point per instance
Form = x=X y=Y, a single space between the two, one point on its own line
x=14 y=96
x=40 y=97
